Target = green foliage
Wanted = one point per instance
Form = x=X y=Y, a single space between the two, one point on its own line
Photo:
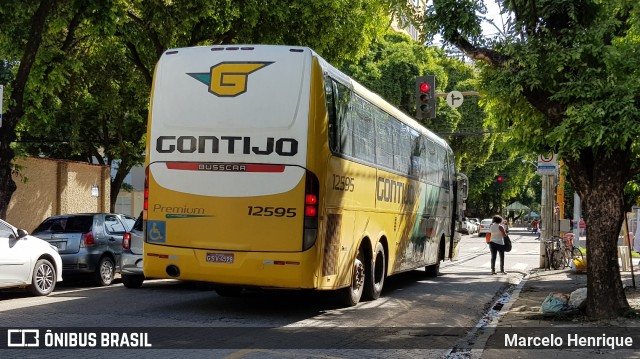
x=390 y=68
x=87 y=93
x=564 y=75
x=459 y=18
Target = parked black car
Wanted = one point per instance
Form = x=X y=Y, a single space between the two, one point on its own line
x=89 y=243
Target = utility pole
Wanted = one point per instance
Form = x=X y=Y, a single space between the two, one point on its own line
x=548 y=171
x=548 y=228
x=560 y=192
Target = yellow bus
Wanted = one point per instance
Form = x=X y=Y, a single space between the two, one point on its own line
x=267 y=167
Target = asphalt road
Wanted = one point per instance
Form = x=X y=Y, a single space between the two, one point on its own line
x=416 y=316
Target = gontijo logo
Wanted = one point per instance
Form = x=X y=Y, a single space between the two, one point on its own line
x=228 y=79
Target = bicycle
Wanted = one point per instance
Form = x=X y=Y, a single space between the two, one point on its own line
x=562 y=252
x=552 y=245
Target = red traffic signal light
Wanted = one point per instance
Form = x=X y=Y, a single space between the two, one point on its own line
x=424 y=87
x=426 y=97
x=499 y=179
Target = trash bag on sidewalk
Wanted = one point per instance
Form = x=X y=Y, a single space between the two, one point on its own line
x=578 y=298
x=555 y=302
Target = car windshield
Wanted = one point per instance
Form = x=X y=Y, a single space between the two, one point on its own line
x=79 y=224
x=138 y=225
x=129 y=222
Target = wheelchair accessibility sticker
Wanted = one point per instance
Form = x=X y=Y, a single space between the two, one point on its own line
x=156 y=231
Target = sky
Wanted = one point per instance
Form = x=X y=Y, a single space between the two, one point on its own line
x=493 y=12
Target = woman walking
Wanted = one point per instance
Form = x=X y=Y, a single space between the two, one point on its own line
x=496 y=245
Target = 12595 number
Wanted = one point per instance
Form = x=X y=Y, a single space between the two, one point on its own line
x=343 y=183
x=272 y=211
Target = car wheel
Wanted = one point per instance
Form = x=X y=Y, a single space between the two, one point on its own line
x=103 y=275
x=43 y=279
x=132 y=281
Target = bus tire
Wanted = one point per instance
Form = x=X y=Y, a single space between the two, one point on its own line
x=433 y=270
x=351 y=295
x=374 y=278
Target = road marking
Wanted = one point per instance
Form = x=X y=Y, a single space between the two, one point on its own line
x=20 y=303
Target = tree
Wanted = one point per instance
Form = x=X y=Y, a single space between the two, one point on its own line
x=74 y=63
x=99 y=117
x=31 y=30
x=389 y=68
x=566 y=74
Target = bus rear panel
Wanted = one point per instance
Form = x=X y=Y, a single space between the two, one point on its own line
x=229 y=197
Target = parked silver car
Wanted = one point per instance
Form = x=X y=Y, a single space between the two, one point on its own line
x=89 y=243
x=131 y=257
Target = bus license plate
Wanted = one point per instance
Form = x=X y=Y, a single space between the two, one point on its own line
x=220 y=257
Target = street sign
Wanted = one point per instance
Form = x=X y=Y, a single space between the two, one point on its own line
x=455 y=99
x=547 y=164
x=547 y=170
x=549 y=159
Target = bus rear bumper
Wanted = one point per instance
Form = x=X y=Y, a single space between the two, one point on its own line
x=293 y=270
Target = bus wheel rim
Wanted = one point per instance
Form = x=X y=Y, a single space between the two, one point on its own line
x=358 y=278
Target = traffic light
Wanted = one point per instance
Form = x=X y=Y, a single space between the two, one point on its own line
x=500 y=180
x=426 y=97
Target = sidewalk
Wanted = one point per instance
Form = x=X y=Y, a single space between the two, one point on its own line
x=522 y=316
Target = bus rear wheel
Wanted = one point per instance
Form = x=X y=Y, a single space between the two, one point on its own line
x=374 y=278
x=351 y=295
x=434 y=269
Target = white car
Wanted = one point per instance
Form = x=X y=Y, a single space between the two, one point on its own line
x=27 y=261
x=485 y=226
x=468 y=227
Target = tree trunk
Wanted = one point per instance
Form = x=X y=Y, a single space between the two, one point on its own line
x=600 y=180
x=16 y=103
x=116 y=183
x=605 y=293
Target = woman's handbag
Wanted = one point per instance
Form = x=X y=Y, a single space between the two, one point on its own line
x=507 y=244
x=488 y=237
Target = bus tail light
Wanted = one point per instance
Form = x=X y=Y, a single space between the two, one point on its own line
x=310 y=205
x=126 y=241
x=312 y=192
x=145 y=205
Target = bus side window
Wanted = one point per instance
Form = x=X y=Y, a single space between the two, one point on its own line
x=363 y=135
x=416 y=154
x=432 y=163
x=344 y=120
x=384 y=139
x=440 y=166
x=331 y=112
x=401 y=147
